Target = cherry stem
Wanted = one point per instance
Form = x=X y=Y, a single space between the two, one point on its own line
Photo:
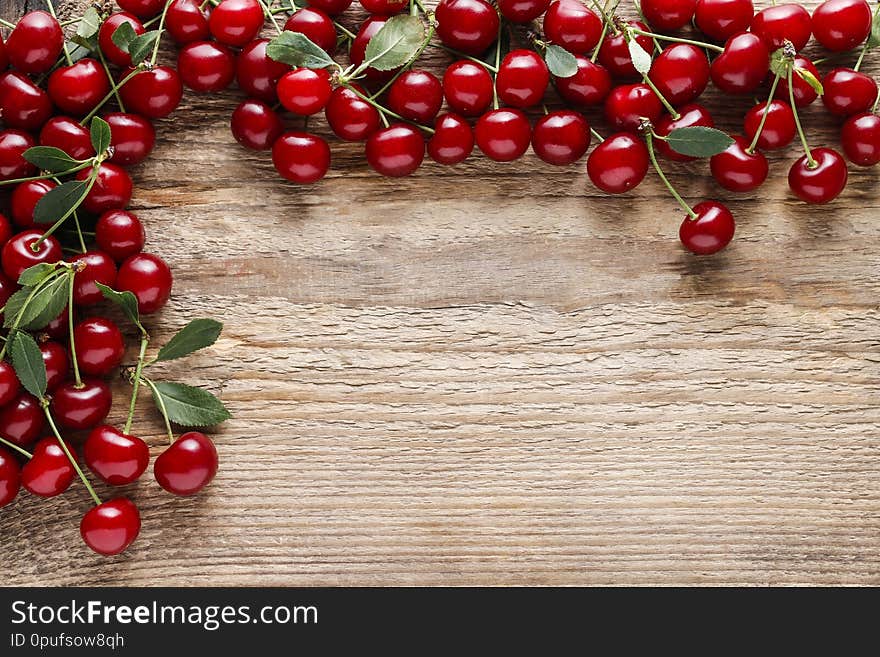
x=876 y=103
x=462 y=55
x=596 y=135
x=45 y=404
x=669 y=108
x=811 y=163
x=15 y=447
x=79 y=233
x=161 y=27
x=663 y=37
x=136 y=382
x=649 y=141
x=115 y=90
x=271 y=16
x=161 y=403
x=79 y=167
x=5 y=23
x=606 y=19
x=495 y=103
x=64 y=42
x=116 y=87
x=383 y=111
x=751 y=149
x=76 y=375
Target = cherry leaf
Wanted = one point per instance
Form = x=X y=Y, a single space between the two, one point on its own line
x=396 y=43
x=60 y=201
x=698 y=141
x=640 y=57
x=297 y=49
x=126 y=301
x=35 y=312
x=810 y=79
x=123 y=36
x=49 y=158
x=562 y=64
x=188 y=406
x=142 y=45
x=779 y=63
x=100 y=134
x=27 y=360
x=198 y=334
x=36 y=274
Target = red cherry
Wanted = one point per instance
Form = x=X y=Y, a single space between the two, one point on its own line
x=5 y=235
x=57 y=363
x=188 y=465
x=668 y=15
x=416 y=95
x=589 y=86
x=522 y=78
x=710 y=232
x=300 y=157
x=7 y=286
x=522 y=11
x=452 y=141
x=10 y=477
x=116 y=457
x=738 y=170
x=468 y=88
x=35 y=43
x=821 y=183
x=22 y=420
x=49 y=472
x=81 y=408
x=848 y=92
x=470 y=26
x=9 y=385
x=12 y=165
x=305 y=91
x=68 y=135
x=111 y=527
x=561 y=137
x=779 y=128
x=105 y=37
x=131 y=136
x=396 y=151
x=142 y=8
x=255 y=125
x=841 y=25
x=147 y=277
x=186 y=22
x=503 y=135
x=743 y=65
x=257 y=72
x=99 y=346
x=111 y=191
x=614 y=52
x=4 y=56
x=205 y=66
x=350 y=117
x=331 y=7
x=17 y=254
x=154 y=94
x=119 y=234
x=618 y=164
x=58 y=327
x=24 y=199
x=570 y=24
x=386 y=7
x=690 y=115
x=24 y=105
x=99 y=268
x=721 y=19
x=358 y=50
x=316 y=25
x=628 y=104
x=681 y=73
x=235 y=22
x=781 y=23
x=860 y=138
x=804 y=94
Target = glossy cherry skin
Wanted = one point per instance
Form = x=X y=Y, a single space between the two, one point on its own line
x=13 y=143
x=142 y=8
x=804 y=94
x=111 y=527
x=35 y=43
x=781 y=23
x=743 y=65
x=22 y=420
x=111 y=191
x=67 y=134
x=4 y=56
x=58 y=328
x=561 y=137
x=572 y=25
x=17 y=254
x=316 y=25
x=188 y=465
x=206 y=66
x=24 y=199
x=848 y=92
x=49 y=472
x=258 y=73
x=779 y=128
x=841 y=25
x=396 y=151
x=628 y=104
x=116 y=457
x=721 y=19
x=132 y=138
x=301 y=157
x=119 y=234
x=149 y=278
x=235 y=22
x=331 y=7
x=470 y=26
x=154 y=94
x=81 y=408
x=99 y=346
x=255 y=125
x=105 y=37
x=416 y=95
x=737 y=170
x=860 y=138
x=186 y=22
x=99 y=268
x=710 y=232
x=681 y=73
x=57 y=363
x=358 y=50
x=668 y=15
x=468 y=88
x=305 y=91
x=350 y=117
x=384 y=7
x=9 y=385
x=24 y=105
x=10 y=477
x=614 y=52
x=690 y=115
x=824 y=182
x=589 y=86
x=452 y=141
x=522 y=11
x=619 y=163
x=522 y=79
x=503 y=135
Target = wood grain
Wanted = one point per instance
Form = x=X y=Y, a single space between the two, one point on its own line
x=493 y=374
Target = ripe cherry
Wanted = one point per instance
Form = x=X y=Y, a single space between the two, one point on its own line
x=860 y=138
x=721 y=19
x=350 y=117
x=58 y=327
x=668 y=15
x=396 y=151
x=841 y=25
x=236 y=22
x=8 y=287
x=619 y=163
x=779 y=128
x=116 y=457
x=589 y=86
x=149 y=278
x=13 y=143
x=24 y=105
x=561 y=137
x=24 y=199
x=119 y=234
x=57 y=363
x=804 y=93
x=22 y=420
x=154 y=94
x=81 y=407
x=628 y=104
x=331 y=7
x=416 y=95
x=111 y=527
x=99 y=268
x=258 y=73
x=681 y=73
x=743 y=65
x=5 y=233
x=522 y=78
x=18 y=254
x=821 y=183
x=99 y=346
x=10 y=477
x=503 y=134
x=738 y=170
x=522 y=11
x=848 y=92
x=9 y=385
x=131 y=136
x=105 y=37
x=358 y=51
x=316 y=25
x=188 y=465
x=614 y=52
x=384 y=7
x=780 y=23
x=111 y=191
x=186 y=22
x=35 y=43
x=690 y=115
x=710 y=231
x=470 y=26
x=452 y=141
x=205 y=66
x=468 y=88
x=301 y=157
x=142 y=8
x=49 y=472
x=570 y=24
x=305 y=91
x=68 y=135
x=255 y=125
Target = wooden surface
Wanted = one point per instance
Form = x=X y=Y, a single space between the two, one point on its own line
x=494 y=374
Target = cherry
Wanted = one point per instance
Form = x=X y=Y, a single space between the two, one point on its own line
x=235 y=22
x=186 y=22
x=570 y=24
x=147 y=277
x=305 y=91
x=452 y=141
x=255 y=125
x=111 y=191
x=468 y=88
x=681 y=73
x=99 y=346
x=205 y=66
x=743 y=65
x=522 y=11
x=154 y=94
x=119 y=234
x=618 y=164
x=57 y=363
x=316 y=25
x=848 y=92
x=4 y=56
x=561 y=137
x=841 y=25
x=779 y=128
x=7 y=289
x=350 y=117
x=105 y=37
x=188 y=465
x=589 y=86
x=58 y=327
x=710 y=232
x=300 y=157
x=9 y=385
x=131 y=136
x=358 y=50
x=778 y=24
x=257 y=72
x=821 y=183
x=416 y=95
x=396 y=151
x=470 y=26
x=690 y=115
x=13 y=143
x=24 y=199
x=142 y=8
x=668 y=15
x=522 y=78
x=804 y=94
x=24 y=105
x=503 y=134
x=738 y=170
x=116 y=457
x=111 y=527
x=22 y=420
x=331 y=7
x=860 y=138
x=35 y=43
x=721 y=19
x=99 y=268
x=81 y=407
x=49 y=472
x=628 y=104
x=5 y=234
x=614 y=51
x=386 y=7
x=18 y=254
x=10 y=477
x=68 y=135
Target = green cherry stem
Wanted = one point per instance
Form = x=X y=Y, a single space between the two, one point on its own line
x=384 y=112
x=161 y=403
x=46 y=176
x=751 y=149
x=811 y=163
x=15 y=447
x=67 y=57
x=161 y=27
x=45 y=404
x=136 y=381
x=115 y=90
x=495 y=103
x=596 y=135
x=268 y=12
x=70 y=328
x=607 y=18
x=6 y=23
x=669 y=108
x=649 y=141
x=663 y=37
x=461 y=55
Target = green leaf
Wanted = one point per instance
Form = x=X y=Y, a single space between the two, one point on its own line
x=779 y=63
x=125 y=300
x=27 y=360
x=189 y=406
x=45 y=305
x=59 y=201
x=80 y=47
x=198 y=334
x=874 y=37
x=641 y=58
x=49 y=158
x=810 y=79
x=36 y=274
x=297 y=49
x=100 y=133
x=698 y=141
x=123 y=35
x=562 y=64
x=141 y=47
x=89 y=24
x=396 y=43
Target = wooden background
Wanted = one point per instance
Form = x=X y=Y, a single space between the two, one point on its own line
x=493 y=374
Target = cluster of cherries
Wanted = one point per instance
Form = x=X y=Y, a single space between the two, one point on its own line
x=47 y=99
